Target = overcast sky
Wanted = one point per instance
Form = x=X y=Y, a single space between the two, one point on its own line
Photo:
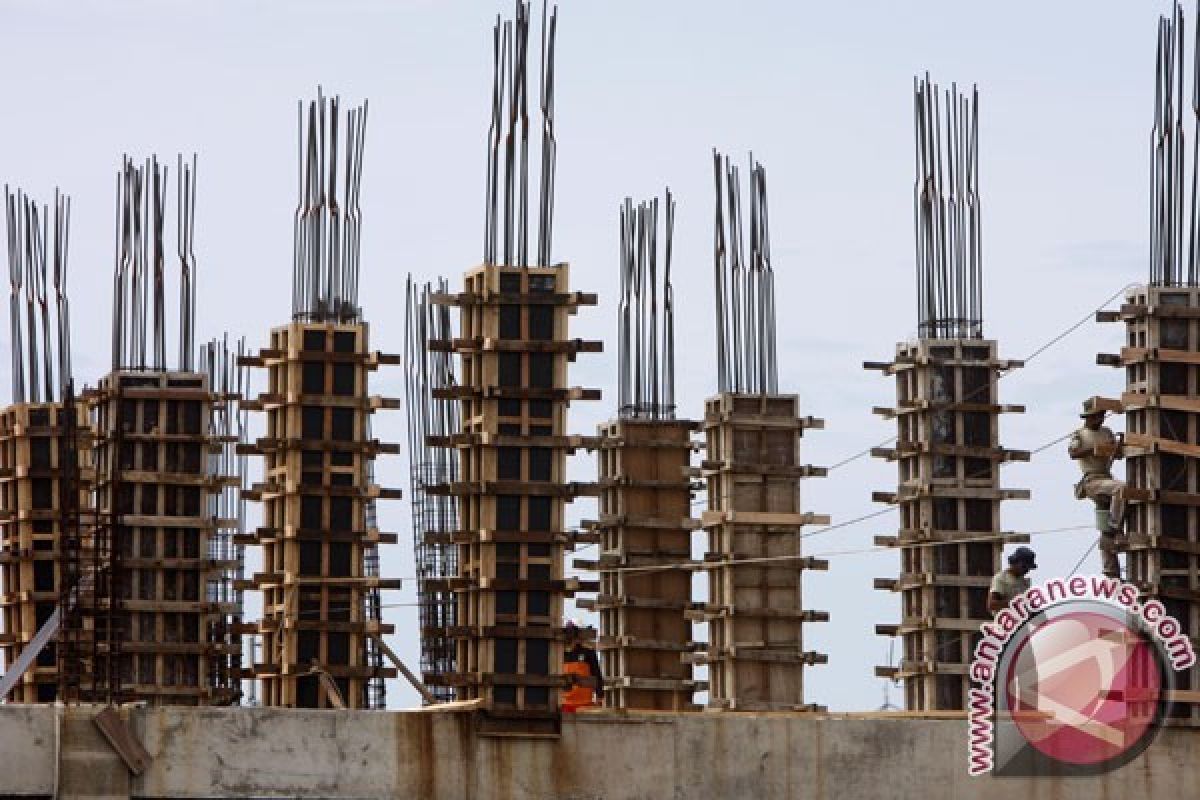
x=821 y=92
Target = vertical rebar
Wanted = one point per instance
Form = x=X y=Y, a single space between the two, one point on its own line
x=433 y=419
x=946 y=212
x=646 y=348
x=507 y=223
x=327 y=221
x=745 y=283
x=40 y=330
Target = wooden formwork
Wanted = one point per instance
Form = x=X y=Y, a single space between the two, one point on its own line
x=755 y=616
x=316 y=533
x=1161 y=358
x=513 y=488
x=645 y=526
x=171 y=642
x=948 y=455
x=34 y=447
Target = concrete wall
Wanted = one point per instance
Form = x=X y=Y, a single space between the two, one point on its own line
x=334 y=754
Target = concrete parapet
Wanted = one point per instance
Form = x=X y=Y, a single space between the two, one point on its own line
x=268 y=752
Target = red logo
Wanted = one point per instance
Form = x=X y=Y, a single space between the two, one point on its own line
x=1084 y=688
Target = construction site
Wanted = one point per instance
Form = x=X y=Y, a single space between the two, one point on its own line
x=585 y=513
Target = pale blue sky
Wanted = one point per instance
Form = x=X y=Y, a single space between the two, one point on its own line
x=820 y=91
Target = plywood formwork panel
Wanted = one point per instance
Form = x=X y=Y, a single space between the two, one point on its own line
x=1161 y=358
x=755 y=654
x=171 y=641
x=512 y=491
x=318 y=530
x=35 y=444
x=948 y=457
x=645 y=528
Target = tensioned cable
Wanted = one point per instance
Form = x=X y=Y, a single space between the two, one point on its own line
x=1046 y=346
x=1083 y=557
x=863 y=518
x=691 y=567
x=889 y=509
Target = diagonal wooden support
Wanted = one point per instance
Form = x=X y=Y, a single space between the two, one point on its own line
x=390 y=654
x=121 y=738
x=332 y=693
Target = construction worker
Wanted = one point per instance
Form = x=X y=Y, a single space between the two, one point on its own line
x=583 y=666
x=1012 y=580
x=1095 y=447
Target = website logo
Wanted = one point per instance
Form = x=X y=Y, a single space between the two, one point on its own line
x=1074 y=677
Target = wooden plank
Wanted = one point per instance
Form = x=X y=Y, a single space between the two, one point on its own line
x=494 y=298
x=767 y=518
x=709 y=612
x=1132 y=311
x=921 y=406
x=753 y=653
x=1171 y=402
x=122 y=740
x=607 y=521
x=483 y=344
x=1159 y=542
x=1158 y=444
x=1138 y=355
x=914 y=490
x=516 y=392
x=1106 y=404
x=426 y=695
x=924 y=537
x=452 y=707
x=709 y=468
x=330 y=688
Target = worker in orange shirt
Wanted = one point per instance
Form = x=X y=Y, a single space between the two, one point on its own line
x=583 y=667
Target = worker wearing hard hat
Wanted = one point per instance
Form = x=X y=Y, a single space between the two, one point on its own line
x=1012 y=580
x=583 y=667
x=1094 y=447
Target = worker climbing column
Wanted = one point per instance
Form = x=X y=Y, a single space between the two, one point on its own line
x=947 y=412
x=321 y=631
x=1162 y=524
x=1162 y=425
x=645 y=456
x=755 y=655
x=1161 y=361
